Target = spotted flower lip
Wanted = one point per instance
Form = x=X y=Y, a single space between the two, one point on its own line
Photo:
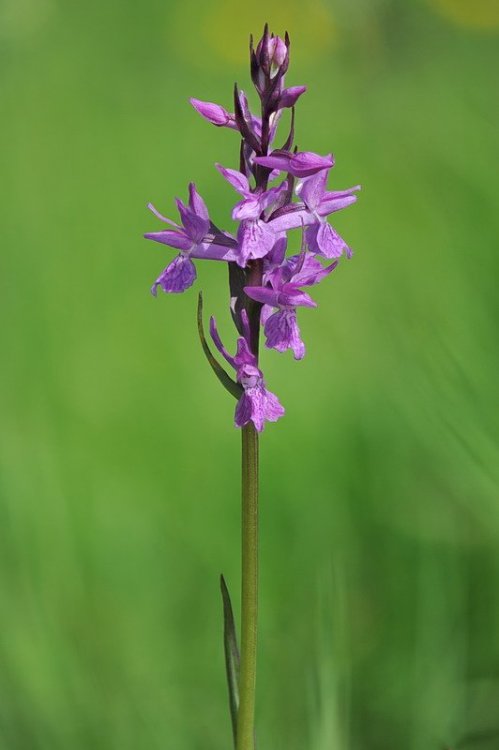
x=301 y=164
x=256 y=404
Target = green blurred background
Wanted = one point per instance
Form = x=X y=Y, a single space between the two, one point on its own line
x=119 y=477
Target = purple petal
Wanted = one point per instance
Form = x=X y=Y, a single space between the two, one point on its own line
x=311 y=190
x=311 y=271
x=294 y=297
x=306 y=163
x=292 y=216
x=273 y=408
x=237 y=179
x=244 y=410
x=276 y=160
x=244 y=355
x=265 y=295
x=177 y=277
x=329 y=242
x=278 y=253
x=257 y=405
x=287 y=296
x=195 y=226
x=249 y=208
x=335 y=201
x=290 y=96
x=179 y=240
x=267 y=311
x=246 y=324
x=271 y=196
x=196 y=203
x=302 y=164
x=256 y=239
x=160 y=216
x=310 y=236
x=214 y=113
x=213 y=251
x=218 y=343
x=282 y=333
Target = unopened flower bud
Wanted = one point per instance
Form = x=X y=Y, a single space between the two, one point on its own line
x=272 y=53
x=269 y=61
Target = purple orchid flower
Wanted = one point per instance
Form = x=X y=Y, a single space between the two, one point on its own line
x=312 y=212
x=320 y=236
x=257 y=404
x=283 y=293
x=255 y=236
x=196 y=238
x=301 y=164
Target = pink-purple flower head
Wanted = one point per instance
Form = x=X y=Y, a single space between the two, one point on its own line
x=196 y=238
x=256 y=404
x=280 y=189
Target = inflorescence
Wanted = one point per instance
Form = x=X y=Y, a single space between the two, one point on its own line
x=265 y=283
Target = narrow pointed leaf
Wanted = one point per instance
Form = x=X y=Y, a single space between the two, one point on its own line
x=230 y=385
x=231 y=657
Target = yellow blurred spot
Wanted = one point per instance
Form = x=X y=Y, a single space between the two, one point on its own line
x=477 y=14
x=223 y=27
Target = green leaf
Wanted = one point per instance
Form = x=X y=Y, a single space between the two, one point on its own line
x=230 y=385
x=231 y=657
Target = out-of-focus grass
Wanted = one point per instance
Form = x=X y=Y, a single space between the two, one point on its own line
x=119 y=466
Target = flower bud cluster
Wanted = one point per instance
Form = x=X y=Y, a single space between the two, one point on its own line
x=280 y=189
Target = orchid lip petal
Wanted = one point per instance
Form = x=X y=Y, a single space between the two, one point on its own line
x=178 y=276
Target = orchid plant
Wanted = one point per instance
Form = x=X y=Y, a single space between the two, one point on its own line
x=280 y=189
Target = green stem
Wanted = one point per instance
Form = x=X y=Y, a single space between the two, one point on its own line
x=249 y=598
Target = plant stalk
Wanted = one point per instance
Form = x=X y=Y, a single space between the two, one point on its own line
x=249 y=595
